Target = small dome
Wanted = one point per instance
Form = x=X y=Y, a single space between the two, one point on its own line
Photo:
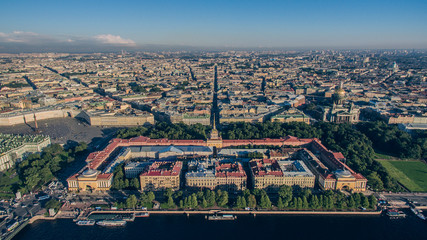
x=343 y=173
x=89 y=172
x=340 y=92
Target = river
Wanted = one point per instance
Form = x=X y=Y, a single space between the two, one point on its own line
x=195 y=227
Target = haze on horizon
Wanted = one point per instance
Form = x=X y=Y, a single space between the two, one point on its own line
x=90 y=26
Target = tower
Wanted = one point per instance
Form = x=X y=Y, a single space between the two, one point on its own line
x=214 y=139
x=35 y=121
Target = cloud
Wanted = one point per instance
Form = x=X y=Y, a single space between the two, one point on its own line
x=36 y=39
x=24 y=37
x=114 y=40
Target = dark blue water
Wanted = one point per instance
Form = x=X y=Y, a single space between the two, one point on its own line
x=176 y=227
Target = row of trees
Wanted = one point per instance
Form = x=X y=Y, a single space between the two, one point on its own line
x=287 y=198
x=40 y=168
x=165 y=130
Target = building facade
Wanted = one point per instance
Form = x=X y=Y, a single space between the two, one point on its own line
x=161 y=175
x=14 y=148
x=270 y=174
x=212 y=174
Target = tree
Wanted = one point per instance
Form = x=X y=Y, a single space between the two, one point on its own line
x=210 y=198
x=244 y=205
x=285 y=192
x=265 y=201
x=314 y=202
x=168 y=193
x=299 y=203
x=134 y=183
x=131 y=201
x=375 y=181
x=204 y=203
x=372 y=201
x=351 y=204
x=293 y=204
x=150 y=196
x=194 y=203
x=304 y=202
x=251 y=201
x=171 y=203
x=280 y=204
x=365 y=202
x=223 y=199
x=239 y=202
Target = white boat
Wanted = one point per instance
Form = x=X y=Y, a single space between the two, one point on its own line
x=222 y=217
x=112 y=223
x=86 y=222
x=418 y=213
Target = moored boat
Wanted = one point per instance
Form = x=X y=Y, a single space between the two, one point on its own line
x=142 y=214
x=222 y=217
x=111 y=223
x=395 y=214
x=418 y=213
x=86 y=222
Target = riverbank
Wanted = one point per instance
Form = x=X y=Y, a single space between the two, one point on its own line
x=254 y=213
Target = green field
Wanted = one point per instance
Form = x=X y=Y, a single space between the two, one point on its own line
x=412 y=174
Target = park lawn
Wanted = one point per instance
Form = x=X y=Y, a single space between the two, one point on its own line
x=412 y=174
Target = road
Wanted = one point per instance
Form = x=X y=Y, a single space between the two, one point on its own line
x=419 y=199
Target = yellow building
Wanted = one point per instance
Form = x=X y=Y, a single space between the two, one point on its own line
x=90 y=180
x=160 y=176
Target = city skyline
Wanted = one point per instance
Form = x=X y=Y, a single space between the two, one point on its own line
x=79 y=26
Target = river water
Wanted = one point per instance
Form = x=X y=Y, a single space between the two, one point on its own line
x=176 y=227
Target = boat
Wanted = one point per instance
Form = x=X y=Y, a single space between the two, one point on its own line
x=418 y=213
x=395 y=214
x=142 y=214
x=112 y=223
x=222 y=217
x=86 y=222
x=129 y=218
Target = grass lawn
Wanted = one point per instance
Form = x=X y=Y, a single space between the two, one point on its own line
x=412 y=174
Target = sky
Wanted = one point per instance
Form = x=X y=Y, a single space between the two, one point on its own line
x=92 y=25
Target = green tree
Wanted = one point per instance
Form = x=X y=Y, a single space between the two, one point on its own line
x=265 y=201
x=168 y=193
x=304 y=202
x=131 y=201
x=252 y=201
x=134 y=183
x=150 y=196
x=351 y=203
x=365 y=202
x=375 y=181
x=280 y=204
x=194 y=203
x=171 y=203
x=204 y=203
x=314 y=202
x=299 y=203
x=372 y=201
x=223 y=199
x=285 y=192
